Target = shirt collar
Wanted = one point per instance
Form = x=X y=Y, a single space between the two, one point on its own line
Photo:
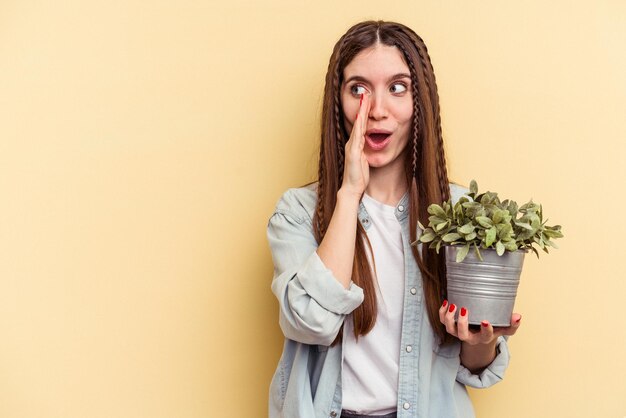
x=401 y=212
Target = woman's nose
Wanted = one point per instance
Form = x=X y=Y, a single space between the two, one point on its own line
x=378 y=108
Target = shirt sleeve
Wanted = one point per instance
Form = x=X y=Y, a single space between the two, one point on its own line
x=492 y=374
x=312 y=302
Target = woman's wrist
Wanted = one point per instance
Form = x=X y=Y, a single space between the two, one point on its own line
x=348 y=195
x=476 y=357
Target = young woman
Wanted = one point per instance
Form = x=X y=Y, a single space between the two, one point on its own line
x=368 y=331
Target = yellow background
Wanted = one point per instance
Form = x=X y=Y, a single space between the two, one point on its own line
x=143 y=145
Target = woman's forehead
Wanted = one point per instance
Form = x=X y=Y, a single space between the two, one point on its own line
x=375 y=62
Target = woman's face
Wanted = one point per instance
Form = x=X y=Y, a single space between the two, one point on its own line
x=381 y=72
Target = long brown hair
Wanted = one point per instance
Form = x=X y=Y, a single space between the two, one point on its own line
x=424 y=161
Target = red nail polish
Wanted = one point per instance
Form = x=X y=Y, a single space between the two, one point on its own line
x=445 y=303
x=452 y=308
x=484 y=324
x=463 y=311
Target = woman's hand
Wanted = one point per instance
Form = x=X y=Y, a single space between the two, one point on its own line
x=356 y=170
x=478 y=348
x=486 y=335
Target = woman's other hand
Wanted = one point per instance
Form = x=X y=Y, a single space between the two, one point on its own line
x=478 y=346
x=462 y=331
x=356 y=168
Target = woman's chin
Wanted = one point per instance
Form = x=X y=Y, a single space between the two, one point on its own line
x=379 y=160
x=375 y=161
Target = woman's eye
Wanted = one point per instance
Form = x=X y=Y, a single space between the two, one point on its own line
x=398 y=88
x=357 y=90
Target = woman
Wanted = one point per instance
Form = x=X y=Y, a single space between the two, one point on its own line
x=368 y=331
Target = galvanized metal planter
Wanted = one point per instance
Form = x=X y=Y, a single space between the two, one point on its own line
x=486 y=288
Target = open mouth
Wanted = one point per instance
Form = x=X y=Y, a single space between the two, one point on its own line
x=377 y=141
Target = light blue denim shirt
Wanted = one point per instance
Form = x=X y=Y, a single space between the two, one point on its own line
x=313 y=305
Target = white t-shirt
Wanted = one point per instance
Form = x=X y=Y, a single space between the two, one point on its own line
x=370 y=366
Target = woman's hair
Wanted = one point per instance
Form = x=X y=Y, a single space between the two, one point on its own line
x=424 y=162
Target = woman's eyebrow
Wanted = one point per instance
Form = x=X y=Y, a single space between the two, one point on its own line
x=393 y=77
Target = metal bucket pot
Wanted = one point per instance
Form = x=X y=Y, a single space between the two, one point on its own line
x=486 y=288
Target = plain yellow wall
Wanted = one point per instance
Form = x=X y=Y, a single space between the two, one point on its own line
x=143 y=146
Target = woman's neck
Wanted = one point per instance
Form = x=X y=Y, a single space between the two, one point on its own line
x=387 y=184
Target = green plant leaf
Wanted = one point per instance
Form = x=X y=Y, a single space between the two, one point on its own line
x=458 y=211
x=484 y=221
x=432 y=220
x=437 y=210
x=473 y=187
x=466 y=229
x=504 y=229
x=524 y=225
x=535 y=223
x=510 y=246
x=453 y=236
x=470 y=236
x=552 y=234
x=477 y=251
x=500 y=248
x=427 y=236
x=490 y=237
x=462 y=253
x=535 y=251
x=471 y=205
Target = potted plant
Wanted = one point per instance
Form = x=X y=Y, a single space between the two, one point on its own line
x=485 y=241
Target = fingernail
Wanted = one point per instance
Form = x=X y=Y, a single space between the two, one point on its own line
x=452 y=308
x=484 y=324
x=445 y=303
x=518 y=319
x=463 y=311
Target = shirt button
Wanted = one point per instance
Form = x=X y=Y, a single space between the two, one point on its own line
x=413 y=290
x=333 y=414
x=406 y=405
x=409 y=348
x=401 y=208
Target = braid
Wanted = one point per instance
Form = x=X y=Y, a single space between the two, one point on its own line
x=442 y=176
x=338 y=129
x=418 y=46
x=441 y=157
x=441 y=160
x=319 y=211
x=416 y=128
x=416 y=111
